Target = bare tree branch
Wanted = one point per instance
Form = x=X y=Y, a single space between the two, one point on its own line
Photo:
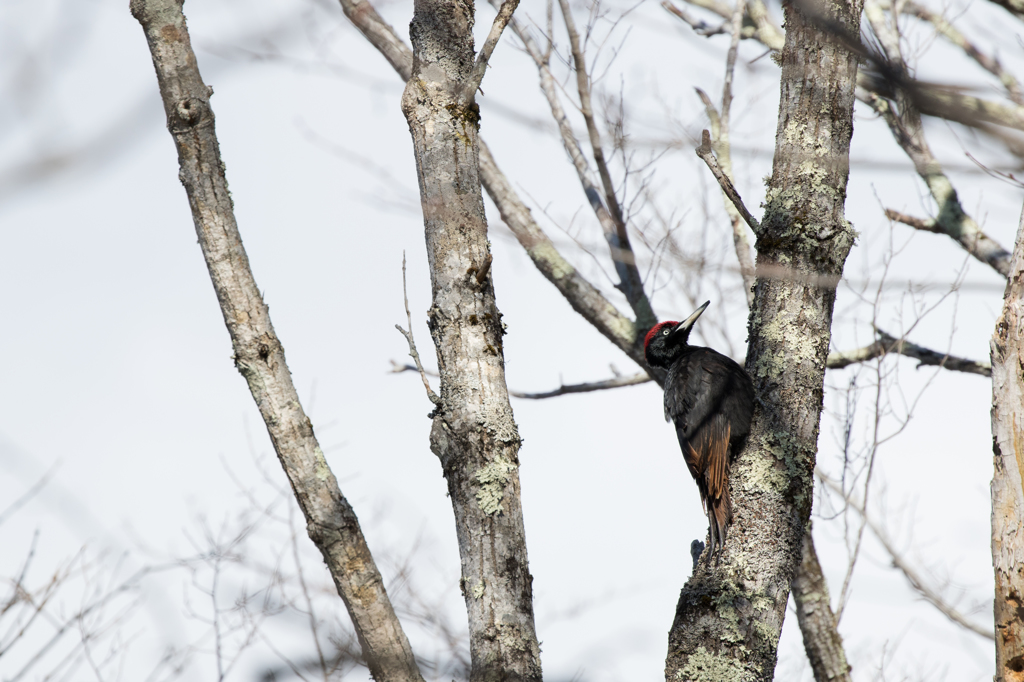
x=564 y=389
x=923 y=224
x=720 y=146
x=705 y=153
x=413 y=353
x=822 y=642
x=259 y=355
x=583 y=86
x=699 y=26
x=917 y=581
x=756 y=23
x=931 y=100
x=887 y=343
x=614 y=230
x=767 y=32
x=952 y=220
x=482 y=57
x=583 y=296
x=723 y=150
x=380 y=34
x=947 y=30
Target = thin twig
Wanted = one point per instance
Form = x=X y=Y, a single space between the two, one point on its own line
x=916 y=580
x=908 y=131
x=722 y=147
x=413 y=353
x=763 y=30
x=29 y=494
x=583 y=86
x=630 y=282
x=699 y=26
x=480 y=65
x=925 y=224
x=707 y=155
x=481 y=274
x=583 y=296
x=951 y=33
x=564 y=389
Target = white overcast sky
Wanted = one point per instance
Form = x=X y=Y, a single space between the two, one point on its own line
x=117 y=366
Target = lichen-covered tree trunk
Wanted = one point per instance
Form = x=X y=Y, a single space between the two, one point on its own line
x=729 y=616
x=1007 y=487
x=259 y=355
x=474 y=434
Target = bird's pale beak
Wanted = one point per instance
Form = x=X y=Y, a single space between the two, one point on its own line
x=688 y=322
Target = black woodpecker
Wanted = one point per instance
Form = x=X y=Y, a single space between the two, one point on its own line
x=710 y=399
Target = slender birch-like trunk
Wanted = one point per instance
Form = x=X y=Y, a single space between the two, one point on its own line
x=729 y=616
x=474 y=433
x=1007 y=487
x=259 y=355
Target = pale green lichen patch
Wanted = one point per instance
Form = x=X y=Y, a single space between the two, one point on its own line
x=492 y=479
x=793 y=347
x=764 y=472
x=322 y=471
x=768 y=635
x=703 y=666
x=511 y=638
x=544 y=252
x=762 y=603
x=800 y=134
x=732 y=622
x=478 y=590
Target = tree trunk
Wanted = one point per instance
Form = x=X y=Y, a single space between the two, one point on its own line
x=474 y=434
x=259 y=355
x=729 y=616
x=1007 y=491
x=822 y=642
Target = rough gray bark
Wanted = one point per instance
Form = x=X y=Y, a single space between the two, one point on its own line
x=730 y=615
x=822 y=642
x=1007 y=485
x=474 y=433
x=258 y=354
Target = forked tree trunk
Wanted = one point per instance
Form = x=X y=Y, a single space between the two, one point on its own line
x=474 y=434
x=729 y=616
x=1007 y=488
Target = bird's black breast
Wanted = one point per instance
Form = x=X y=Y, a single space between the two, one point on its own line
x=704 y=383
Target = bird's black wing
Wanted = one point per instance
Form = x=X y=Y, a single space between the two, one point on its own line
x=696 y=386
x=705 y=396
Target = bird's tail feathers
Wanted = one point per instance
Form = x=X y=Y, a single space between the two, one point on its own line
x=708 y=460
x=719 y=518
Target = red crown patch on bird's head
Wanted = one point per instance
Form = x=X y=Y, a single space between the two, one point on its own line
x=655 y=330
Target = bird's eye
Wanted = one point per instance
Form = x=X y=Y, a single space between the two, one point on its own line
x=665 y=333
